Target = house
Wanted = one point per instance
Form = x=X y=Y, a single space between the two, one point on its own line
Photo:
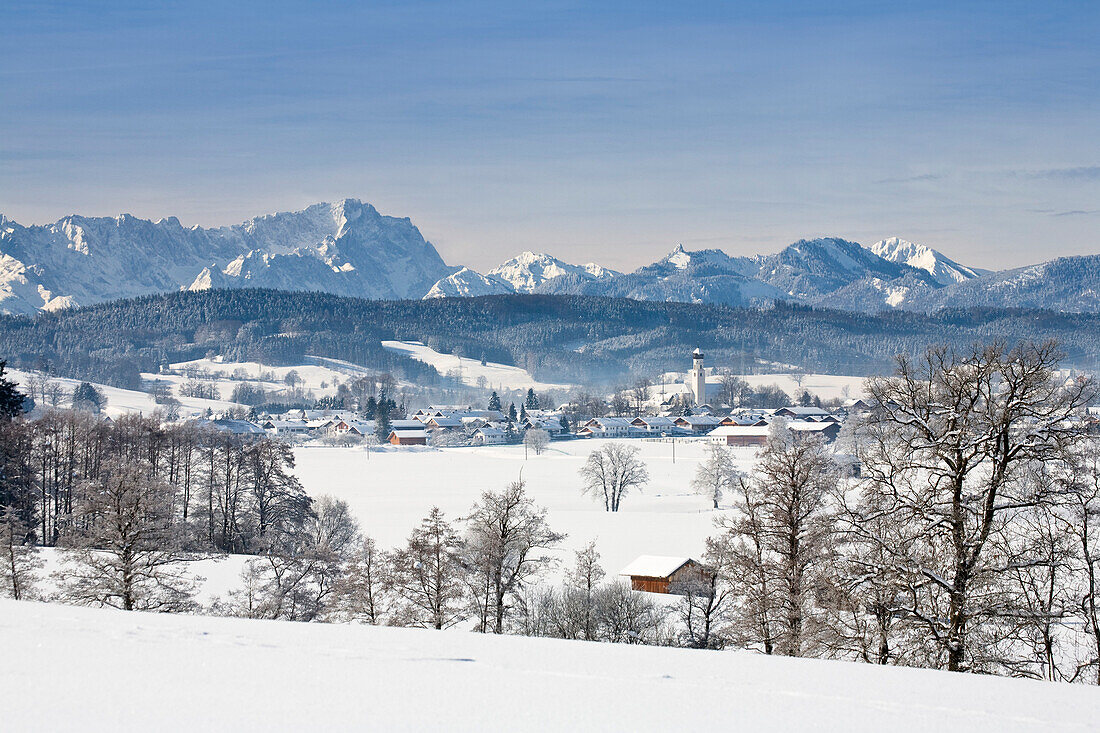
x=742 y=420
x=801 y=413
x=741 y=435
x=285 y=427
x=658 y=424
x=698 y=423
x=828 y=430
x=489 y=436
x=661 y=574
x=236 y=427
x=607 y=427
x=444 y=423
x=408 y=437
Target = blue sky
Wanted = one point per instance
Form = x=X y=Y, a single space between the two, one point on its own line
x=593 y=131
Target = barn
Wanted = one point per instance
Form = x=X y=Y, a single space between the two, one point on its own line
x=661 y=574
x=409 y=437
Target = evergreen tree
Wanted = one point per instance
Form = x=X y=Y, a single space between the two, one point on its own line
x=564 y=422
x=522 y=413
x=382 y=424
x=87 y=397
x=12 y=401
x=532 y=400
x=512 y=412
x=494 y=402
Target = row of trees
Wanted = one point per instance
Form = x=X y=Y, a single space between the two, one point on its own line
x=967 y=544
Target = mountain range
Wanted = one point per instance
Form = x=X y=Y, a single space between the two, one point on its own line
x=348 y=248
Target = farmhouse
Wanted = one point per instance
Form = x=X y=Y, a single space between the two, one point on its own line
x=408 y=437
x=607 y=427
x=662 y=574
x=698 y=423
x=741 y=435
x=489 y=436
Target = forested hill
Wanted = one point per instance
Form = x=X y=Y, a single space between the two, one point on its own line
x=559 y=338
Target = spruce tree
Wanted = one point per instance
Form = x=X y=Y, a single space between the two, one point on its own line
x=494 y=402
x=11 y=399
x=382 y=424
x=532 y=400
x=512 y=412
x=522 y=413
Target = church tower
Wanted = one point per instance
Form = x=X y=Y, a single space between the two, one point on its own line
x=698 y=378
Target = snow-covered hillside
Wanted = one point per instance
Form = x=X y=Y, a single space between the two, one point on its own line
x=124 y=401
x=497 y=376
x=90 y=670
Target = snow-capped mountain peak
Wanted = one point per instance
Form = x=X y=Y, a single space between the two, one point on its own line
x=942 y=268
x=529 y=270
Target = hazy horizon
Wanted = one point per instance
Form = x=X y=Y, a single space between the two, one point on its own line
x=606 y=134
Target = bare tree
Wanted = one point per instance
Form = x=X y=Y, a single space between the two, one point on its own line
x=715 y=475
x=1084 y=524
x=612 y=472
x=428 y=575
x=775 y=550
x=947 y=451
x=126 y=544
x=20 y=562
x=363 y=591
x=537 y=440
x=506 y=542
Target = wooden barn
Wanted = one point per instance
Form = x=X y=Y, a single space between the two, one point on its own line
x=409 y=437
x=660 y=573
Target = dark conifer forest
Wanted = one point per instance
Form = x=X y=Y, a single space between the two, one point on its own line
x=558 y=338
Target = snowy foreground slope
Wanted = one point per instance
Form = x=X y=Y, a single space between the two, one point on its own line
x=90 y=670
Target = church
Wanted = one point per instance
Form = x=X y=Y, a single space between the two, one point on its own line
x=698 y=378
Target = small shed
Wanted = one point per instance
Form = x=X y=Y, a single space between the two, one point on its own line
x=408 y=437
x=660 y=573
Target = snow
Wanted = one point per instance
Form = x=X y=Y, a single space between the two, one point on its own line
x=528 y=270
x=654 y=566
x=825 y=386
x=942 y=268
x=498 y=376
x=123 y=401
x=392 y=490
x=104 y=670
x=319 y=378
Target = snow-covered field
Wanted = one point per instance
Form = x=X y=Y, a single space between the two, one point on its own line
x=91 y=670
x=124 y=401
x=497 y=376
x=392 y=490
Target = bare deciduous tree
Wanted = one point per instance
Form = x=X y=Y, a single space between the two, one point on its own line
x=612 y=472
x=506 y=542
x=126 y=544
x=428 y=574
x=948 y=447
x=716 y=474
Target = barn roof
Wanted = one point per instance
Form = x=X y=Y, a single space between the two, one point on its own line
x=655 y=566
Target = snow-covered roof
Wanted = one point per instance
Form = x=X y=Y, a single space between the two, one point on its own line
x=410 y=433
x=802 y=426
x=804 y=411
x=655 y=566
x=739 y=431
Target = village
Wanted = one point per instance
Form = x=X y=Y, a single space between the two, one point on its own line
x=677 y=414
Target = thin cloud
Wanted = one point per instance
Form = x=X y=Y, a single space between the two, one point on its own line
x=1078 y=173
x=911 y=179
x=1077 y=212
